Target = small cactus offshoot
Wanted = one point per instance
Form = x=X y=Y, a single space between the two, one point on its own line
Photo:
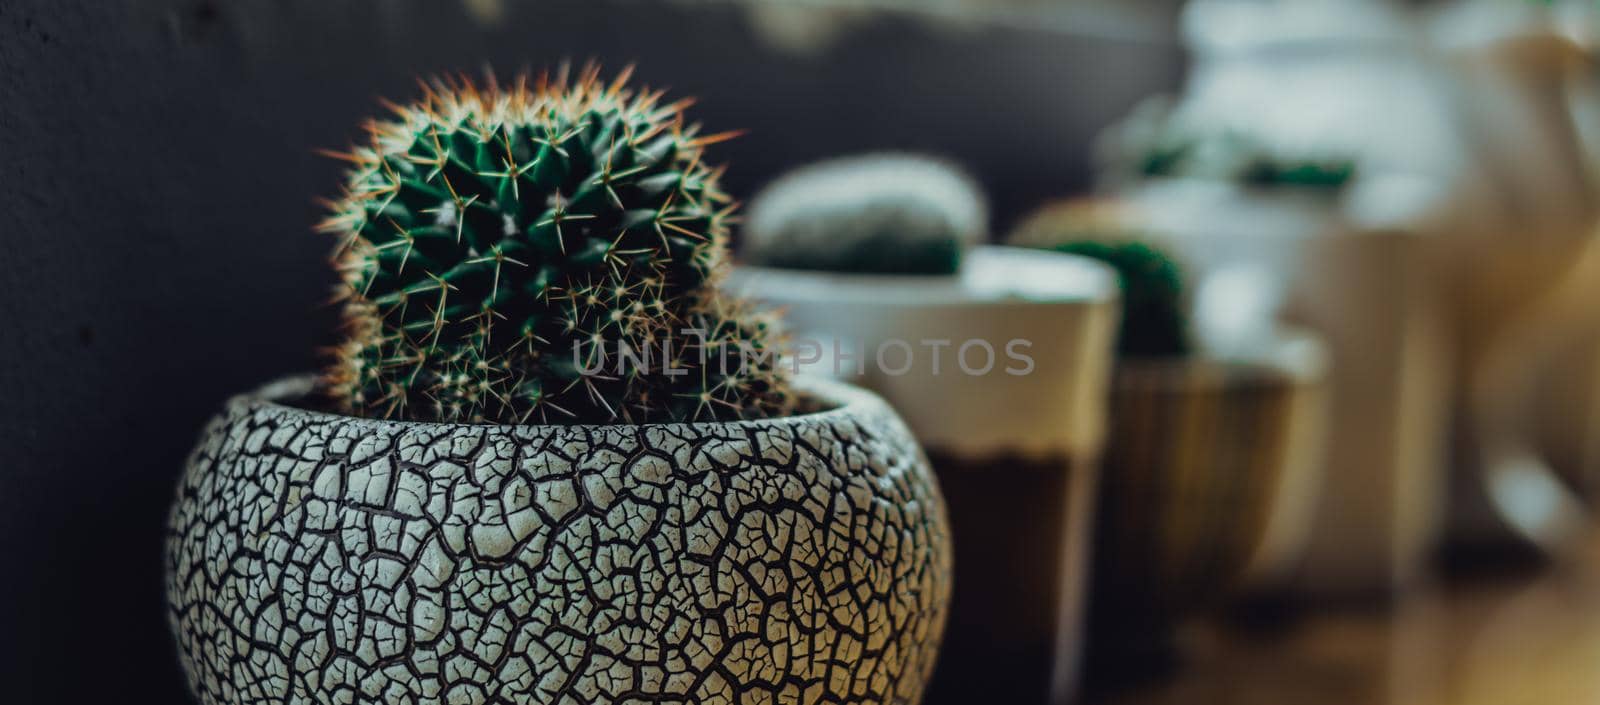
x=543 y=253
x=874 y=213
x=1153 y=319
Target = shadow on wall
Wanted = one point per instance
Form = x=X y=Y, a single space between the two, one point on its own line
x=159 y=190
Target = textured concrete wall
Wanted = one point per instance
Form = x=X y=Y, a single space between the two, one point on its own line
x=156 y=191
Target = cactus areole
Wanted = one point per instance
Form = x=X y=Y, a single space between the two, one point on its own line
x=543 y=253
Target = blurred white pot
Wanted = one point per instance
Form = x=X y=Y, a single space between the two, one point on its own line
x=1002 y=372
x=1006 y=303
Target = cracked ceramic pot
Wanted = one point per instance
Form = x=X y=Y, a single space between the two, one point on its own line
x=1001 y=371
x=318 y=558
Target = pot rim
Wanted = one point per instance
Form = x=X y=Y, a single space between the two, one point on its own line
x=1295 y=356
x=989 y=277
x=839 y=401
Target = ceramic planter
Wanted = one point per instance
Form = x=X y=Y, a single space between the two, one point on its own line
x=1015 y=451
x=317 y=558
x=1210 y=473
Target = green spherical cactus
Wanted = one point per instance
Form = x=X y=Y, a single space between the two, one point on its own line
x=1153 y=320
x=874 y=213
x=542 y=253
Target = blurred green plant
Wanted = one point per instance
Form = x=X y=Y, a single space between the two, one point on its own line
x=1231 y=156
x=874 y=213
x=1154 y=323
x=1156 y=141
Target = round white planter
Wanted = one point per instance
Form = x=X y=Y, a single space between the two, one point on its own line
x=903 y=337
x=317 y=558
x=1016 y=445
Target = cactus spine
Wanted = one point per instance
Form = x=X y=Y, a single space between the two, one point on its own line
x=542 y=253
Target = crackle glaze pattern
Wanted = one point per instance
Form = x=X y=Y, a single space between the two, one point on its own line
x=315 y=558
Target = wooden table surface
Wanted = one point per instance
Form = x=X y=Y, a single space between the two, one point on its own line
x=1527 y=638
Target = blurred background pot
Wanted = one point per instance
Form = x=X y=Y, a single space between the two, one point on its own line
x=1355 y=259
x=1015 y=448
x=312 y=557
x=1211 y=470
x=1315 y=259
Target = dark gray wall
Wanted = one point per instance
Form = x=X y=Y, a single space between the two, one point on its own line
x=156 y=191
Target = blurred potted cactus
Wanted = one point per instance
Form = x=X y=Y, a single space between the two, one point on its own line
x=552 y=462
x=1346 y=252
x=996 y=356
x=1442 y=274
x=1211 y=460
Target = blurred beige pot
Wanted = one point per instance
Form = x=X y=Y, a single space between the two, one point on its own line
x=1524 y=304
x=1211 y=470
x=1001 y=371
